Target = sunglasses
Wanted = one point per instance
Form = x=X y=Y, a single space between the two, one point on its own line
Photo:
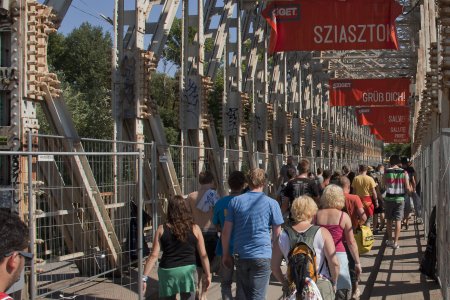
x=26 y=255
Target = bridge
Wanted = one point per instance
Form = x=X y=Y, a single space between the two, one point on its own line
x=80 y=195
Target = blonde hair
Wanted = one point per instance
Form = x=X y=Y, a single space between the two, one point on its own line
x=303 y=209
x=256 y=178
x=332 y=197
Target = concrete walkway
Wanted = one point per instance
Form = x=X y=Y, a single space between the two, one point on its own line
x=394 y=274
x=387 y=274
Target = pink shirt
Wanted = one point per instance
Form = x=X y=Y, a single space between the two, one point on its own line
x=337 y=232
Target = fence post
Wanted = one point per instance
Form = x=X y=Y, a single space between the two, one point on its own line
x=31 y=218
x=154 y=195
x=139 y=225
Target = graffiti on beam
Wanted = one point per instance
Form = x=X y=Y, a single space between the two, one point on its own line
x=233 y=121
x=260 y=118
x=15 y=169
x=127 y=93
x=232 y=115
x=7 y=75
x=191 y=105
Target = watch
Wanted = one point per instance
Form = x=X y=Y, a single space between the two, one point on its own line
x=145 y=278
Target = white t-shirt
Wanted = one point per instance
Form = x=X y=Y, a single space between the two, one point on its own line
x=318 y=245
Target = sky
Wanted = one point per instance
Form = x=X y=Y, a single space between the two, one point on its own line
x=92 y=11
x=88 y=11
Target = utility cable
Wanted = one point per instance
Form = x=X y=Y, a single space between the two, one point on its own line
x=413 y=8
x=87 y=13
x=97 y=13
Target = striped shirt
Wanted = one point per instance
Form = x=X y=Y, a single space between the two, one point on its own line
x=395 y=181
x=4 y=296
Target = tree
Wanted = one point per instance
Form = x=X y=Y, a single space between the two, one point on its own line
x=165 y=91
x=86 y=58
x=82 y=61
x=172 y=49
x=399 y=149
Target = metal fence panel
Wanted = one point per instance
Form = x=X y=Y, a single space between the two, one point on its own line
x=443 y=216
x=71 y=235
x=84 y=215
x=433 y=172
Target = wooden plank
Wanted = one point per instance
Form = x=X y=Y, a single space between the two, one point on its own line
x=59 y=117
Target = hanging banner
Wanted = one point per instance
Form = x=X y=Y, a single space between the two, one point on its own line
x=390 y=134
x=369 y=92
x=394 y=140
x=390 y=130
x=392 y=116
x=305 y=25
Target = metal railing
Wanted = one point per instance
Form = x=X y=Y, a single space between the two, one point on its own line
x=85 y=197
x=432 y=165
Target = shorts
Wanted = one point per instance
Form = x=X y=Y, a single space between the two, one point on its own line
x=408 y=206
x=394 y=210
x=210 y=247
x=380 y=208
x=367 y=205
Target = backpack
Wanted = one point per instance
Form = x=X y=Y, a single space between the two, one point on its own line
x=302 y=259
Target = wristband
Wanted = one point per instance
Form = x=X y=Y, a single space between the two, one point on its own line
x=145 y=278
x=358 y=265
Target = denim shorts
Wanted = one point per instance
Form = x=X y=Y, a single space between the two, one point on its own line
x=394 y=210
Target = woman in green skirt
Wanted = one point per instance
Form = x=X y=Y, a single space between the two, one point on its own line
x=178 y=239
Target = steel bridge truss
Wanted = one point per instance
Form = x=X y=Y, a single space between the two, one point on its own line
x=272 y=106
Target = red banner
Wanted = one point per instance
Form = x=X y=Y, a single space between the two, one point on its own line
x=369 y=92
x=392 y=134
x=393 y=140
x=392 y=116
x=305 y=25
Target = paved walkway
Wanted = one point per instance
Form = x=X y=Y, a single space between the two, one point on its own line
x=387 y=274
x=394 y=274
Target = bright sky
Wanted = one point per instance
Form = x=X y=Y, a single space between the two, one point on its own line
x=90 y=11
x=87 y=11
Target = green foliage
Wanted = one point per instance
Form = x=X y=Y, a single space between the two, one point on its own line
x=172 y=49
x=56 y=49
x=86 y=58
x=400 y=149
x=215 y=102
x=165 y=91
x=82 y=61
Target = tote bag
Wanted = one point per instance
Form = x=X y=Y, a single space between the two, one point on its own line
x=364 y=239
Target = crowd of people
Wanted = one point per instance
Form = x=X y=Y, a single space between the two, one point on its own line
x=311 y=223
x=253 y=235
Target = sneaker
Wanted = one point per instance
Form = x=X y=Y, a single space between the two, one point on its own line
x=395 y=246
x=389 y=243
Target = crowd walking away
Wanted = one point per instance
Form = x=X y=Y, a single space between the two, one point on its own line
x=309 y=234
